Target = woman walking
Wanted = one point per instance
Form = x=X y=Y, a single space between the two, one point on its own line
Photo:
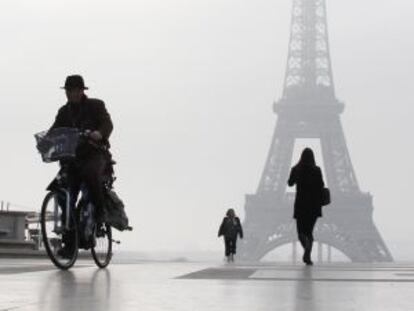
x=230 y=228
x=307 y=177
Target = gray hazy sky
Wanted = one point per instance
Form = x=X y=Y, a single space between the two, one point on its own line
x=190 y=86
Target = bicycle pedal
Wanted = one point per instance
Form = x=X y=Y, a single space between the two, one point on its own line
x=115 y=241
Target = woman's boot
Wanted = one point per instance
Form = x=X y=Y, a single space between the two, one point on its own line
x=308 y=250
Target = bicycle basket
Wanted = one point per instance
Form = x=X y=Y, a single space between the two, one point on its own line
x=57 y=144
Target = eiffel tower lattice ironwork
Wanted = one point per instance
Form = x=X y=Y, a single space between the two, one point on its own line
x=309 y=109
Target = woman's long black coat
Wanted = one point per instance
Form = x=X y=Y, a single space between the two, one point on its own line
x=90 y=114
x=309 y=184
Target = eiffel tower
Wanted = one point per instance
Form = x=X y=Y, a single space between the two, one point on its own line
x=309 y=109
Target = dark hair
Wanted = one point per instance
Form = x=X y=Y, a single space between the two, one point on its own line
x=230 y=212
x=307 y=158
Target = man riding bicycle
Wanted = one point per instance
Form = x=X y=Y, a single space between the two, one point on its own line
x=92 y=155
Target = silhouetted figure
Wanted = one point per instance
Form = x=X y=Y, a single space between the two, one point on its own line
x=92 y=157
x=229 y=229
x=307 y=177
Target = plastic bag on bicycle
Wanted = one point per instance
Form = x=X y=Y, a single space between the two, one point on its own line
x=114 y=212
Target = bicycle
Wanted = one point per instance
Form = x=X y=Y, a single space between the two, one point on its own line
x=68 y=226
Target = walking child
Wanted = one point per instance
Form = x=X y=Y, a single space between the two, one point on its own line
x=230 y=228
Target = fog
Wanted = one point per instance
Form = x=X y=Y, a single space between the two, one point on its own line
x=190 y=86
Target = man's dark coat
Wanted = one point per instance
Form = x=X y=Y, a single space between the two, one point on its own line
x=90 y=114
x=309 y=184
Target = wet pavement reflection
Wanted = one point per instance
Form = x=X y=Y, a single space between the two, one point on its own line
x=198 y=286
x=90 y=290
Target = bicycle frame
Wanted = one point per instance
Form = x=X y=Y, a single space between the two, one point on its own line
x=59 y=187
x=69 y=224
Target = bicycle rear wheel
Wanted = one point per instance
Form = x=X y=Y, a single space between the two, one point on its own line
x=102 y=249
x=61 y=244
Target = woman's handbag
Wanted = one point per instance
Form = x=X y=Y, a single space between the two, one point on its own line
x=326 y=196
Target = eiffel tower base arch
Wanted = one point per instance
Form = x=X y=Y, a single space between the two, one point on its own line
x=347 y=226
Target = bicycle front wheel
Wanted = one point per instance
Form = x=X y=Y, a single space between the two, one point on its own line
x=61 y=243
x=102 y=249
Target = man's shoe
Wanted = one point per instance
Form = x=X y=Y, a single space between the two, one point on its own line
x=65 y=253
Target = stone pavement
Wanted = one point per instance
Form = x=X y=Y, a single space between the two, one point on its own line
x=36 y=285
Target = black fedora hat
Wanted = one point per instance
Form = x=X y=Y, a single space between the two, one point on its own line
x=74 y=82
